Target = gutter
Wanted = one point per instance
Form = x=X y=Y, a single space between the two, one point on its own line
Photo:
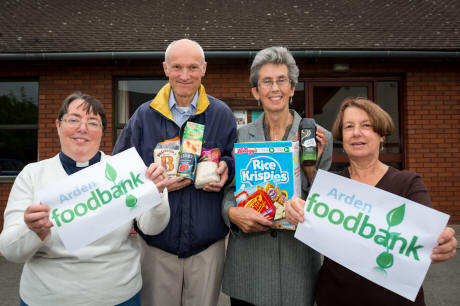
x=45 y=56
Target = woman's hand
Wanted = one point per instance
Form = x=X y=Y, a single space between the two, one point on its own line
x=157 y=175
x=36 y=218
x=248 y=220
x=447 y=246
x=294 y=209
x=321 y=141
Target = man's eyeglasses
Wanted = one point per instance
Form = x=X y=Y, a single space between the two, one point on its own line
x=268 y=83
x=75 y=122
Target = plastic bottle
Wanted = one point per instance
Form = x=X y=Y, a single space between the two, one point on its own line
x=308 y=149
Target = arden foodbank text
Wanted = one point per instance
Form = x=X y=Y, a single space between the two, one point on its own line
x=359 y=224
x=350 y=200
x=97 y=198
x=77 y=192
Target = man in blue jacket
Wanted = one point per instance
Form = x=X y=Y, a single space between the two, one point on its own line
x=183 y=265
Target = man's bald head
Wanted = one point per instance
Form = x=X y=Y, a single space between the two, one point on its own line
x=183 y=43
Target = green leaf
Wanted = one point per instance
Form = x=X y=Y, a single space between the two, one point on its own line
x=110 y=173
x=396 y=215
x=131 y=200
x=385 y=260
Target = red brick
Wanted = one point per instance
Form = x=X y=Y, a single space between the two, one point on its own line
x=431 y=108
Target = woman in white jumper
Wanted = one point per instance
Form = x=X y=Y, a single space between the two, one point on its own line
x=105 y=272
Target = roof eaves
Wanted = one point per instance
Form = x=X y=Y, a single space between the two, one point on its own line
x=241 y=54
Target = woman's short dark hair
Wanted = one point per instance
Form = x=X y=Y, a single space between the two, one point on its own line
x=277 y=56
x=91 y=105
x=381 y=121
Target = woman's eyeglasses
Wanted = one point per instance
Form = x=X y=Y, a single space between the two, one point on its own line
x=75 y=122
x=268 y=83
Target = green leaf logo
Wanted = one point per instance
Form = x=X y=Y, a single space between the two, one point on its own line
x=396 y=215
x=110 y=173
x=131 y=200
x=385 y=260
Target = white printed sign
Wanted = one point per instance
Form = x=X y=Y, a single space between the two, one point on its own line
x=98 y=199
x=378 y=235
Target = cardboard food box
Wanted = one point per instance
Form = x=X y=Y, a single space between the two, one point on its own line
x=190 y=150
x=276 y=162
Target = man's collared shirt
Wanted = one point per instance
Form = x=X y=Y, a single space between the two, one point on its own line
x=182 y=114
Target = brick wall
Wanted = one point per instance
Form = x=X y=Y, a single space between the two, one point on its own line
x=58 y=81
x=4 y=192
x=433 y=135
x=431 y=108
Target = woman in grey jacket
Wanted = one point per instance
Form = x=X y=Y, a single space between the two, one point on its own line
x=264 y=265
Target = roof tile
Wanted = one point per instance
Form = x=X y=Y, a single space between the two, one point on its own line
x=144 y=25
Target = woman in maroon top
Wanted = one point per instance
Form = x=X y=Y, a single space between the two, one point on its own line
x=362 y=126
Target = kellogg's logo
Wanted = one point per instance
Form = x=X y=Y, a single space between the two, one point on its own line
x=263 y=169
x=247 y=151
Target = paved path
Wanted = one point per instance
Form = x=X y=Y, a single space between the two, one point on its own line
x=441 y=285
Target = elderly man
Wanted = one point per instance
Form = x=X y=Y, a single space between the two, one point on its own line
x=183 y=265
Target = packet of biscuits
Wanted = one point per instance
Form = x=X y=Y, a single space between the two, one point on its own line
x=166 y=153
x=278 y=197
x=190 y=150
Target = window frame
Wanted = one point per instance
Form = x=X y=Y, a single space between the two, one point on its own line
x=116 y=79
x=371 y=83
x=20 y=127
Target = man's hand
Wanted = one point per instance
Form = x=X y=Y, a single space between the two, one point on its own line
x=222 y=170
x=248 y=220
x=177 y=183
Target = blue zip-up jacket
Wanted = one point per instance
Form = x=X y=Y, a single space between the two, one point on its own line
x=196 y=220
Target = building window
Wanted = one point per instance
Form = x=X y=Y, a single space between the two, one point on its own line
x=18 y=125
x=130 y=94
x=324 y=97
x=298 y=100
x=387 y=96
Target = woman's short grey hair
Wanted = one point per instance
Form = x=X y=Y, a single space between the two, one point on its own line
x=277 y=56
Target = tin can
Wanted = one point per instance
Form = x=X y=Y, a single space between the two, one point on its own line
x=187 y=165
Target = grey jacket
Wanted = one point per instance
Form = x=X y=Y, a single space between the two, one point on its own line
x=270 y=268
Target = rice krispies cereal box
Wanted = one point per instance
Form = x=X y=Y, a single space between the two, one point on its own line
x=273 y=166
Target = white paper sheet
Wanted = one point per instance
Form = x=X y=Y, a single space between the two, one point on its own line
x=348 y=222
x=98 y=199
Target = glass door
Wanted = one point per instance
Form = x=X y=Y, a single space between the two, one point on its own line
x=323 y=101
